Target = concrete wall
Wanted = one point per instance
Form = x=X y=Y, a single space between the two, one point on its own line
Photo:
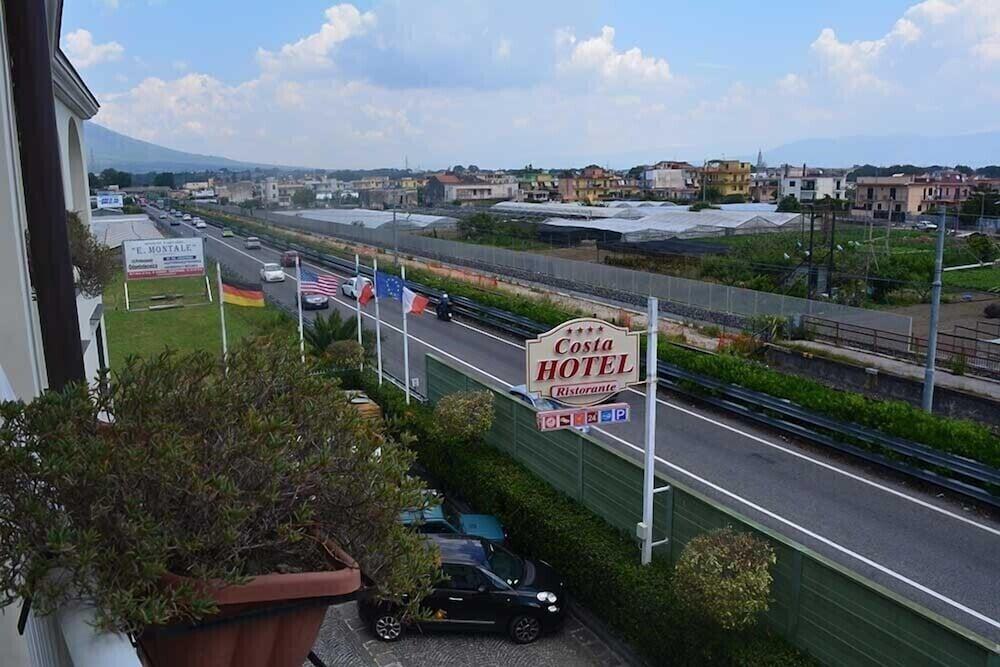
x=883 y=385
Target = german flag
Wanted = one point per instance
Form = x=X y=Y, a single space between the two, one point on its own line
x=242 y=294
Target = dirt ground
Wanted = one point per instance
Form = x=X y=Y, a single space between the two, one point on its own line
x=963 y=313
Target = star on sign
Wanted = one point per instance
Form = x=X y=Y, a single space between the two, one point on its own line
x=590 y=330
x=600 y=329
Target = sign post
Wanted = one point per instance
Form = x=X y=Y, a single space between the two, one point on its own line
x=648 y=478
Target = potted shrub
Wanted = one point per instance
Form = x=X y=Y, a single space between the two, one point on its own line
x=173 y=496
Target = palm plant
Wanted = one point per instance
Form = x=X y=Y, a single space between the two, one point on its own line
x=325 y=331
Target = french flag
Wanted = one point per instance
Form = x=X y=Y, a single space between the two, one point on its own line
x=413 y=302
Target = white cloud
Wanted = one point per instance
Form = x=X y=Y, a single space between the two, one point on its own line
x=80 y=48
x=502 y=51
x=597 y=56
x=792 y=84
x=111 y=4
x=851 y=63
x=313 y=51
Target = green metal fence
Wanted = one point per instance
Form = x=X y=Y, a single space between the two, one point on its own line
x=834 y=614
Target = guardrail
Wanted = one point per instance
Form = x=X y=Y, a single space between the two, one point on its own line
x=958 y=474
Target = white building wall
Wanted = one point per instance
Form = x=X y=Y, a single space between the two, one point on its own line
x=826 y=186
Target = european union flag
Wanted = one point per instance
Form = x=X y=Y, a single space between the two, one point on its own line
x=388 y=285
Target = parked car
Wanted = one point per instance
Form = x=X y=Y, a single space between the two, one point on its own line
x=272 y=273
x=447 y=519
x=174 y=222
x=352 y=287
x=252 y=243
x=288 y=257
x=315 y=301
x=163 y=216
x=227 y=233
x=925 y=226
x=486 y=587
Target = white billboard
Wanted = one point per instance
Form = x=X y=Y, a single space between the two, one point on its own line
x=110 y=200
x=164 y=258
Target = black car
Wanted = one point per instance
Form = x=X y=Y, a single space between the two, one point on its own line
x=486 y=587
x=315 y=301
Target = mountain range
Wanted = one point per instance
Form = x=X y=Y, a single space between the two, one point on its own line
x=107 y=148
x=974 y=150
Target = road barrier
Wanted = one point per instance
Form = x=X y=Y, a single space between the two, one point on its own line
x=834 y=614
x=957 y=474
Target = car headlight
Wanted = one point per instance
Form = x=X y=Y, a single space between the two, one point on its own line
x=546 y=596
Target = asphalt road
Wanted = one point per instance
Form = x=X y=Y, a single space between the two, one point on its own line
x=919 y=544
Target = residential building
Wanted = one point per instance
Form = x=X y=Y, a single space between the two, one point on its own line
x=816 y=184
x=765 y=185
x=238 y=192
x=194 y=186
x=728 y=177
x=451 y=187
x=537 y=186
x=671 y=180
x=39 y=308
x=370 y=183
x=412 y=182
x=882 y=196
x=383 y=198
x=593 y=184
x=269 y=191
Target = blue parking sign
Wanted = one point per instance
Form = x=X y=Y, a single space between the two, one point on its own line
x=621 y=414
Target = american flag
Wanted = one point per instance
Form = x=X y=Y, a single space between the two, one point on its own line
x=313 y=283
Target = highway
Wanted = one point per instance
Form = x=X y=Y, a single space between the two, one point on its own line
x=916 y=542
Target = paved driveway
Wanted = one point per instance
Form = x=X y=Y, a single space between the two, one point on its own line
x=345 y=641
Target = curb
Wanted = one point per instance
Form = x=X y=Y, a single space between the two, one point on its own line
x=588 y=620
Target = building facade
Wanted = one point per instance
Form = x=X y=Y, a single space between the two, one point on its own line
x=671 y=180
x=814 y=186
x=383 y=198
x=884 y=196
x=450 y=187
x=728 y=177
x=593 y=184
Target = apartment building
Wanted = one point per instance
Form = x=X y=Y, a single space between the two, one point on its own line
x=671 y=180
x=383 y=198
x=238 y=192
x=816 y=184
x=42 y=323
x=450 y=187
x=593 y=184
x=881 y=196
x=727 y=177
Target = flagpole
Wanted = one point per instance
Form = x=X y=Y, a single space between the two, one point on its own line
x=406 y=338
x=378 y=325
x=222 y=317
x=298 y=291
x=357 y=292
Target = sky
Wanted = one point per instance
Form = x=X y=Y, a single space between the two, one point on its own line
x=505 y=83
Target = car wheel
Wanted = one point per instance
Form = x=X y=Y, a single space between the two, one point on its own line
x=387 y=627
x=525 y=629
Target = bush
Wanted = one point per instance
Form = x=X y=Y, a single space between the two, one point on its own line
x=600 y=564
x=173 y=467
x=723 y=577
x=466 y=416
x=344 y=355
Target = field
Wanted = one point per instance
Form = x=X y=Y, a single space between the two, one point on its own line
x=193 y=327
x=985 y=279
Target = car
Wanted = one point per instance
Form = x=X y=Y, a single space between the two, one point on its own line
x=272 y=273
x=174 y=222
x=163 y=216
x=486 y=587
x=186 y=217
x=445 y=518
x=925 y=226
x=227 y=233
x=352 y=287
x=289 y=257
x=311 y=301
x=201 y=224
x=252 y=243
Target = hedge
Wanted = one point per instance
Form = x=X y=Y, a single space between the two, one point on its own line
x=600 y=565
x=957 y=436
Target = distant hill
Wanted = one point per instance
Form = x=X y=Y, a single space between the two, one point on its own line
x=106 y=148
x=974 y=150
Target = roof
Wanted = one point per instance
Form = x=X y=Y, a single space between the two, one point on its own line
x=460 y=549
x=664 y=223
x=112 y=231
x=375 y=219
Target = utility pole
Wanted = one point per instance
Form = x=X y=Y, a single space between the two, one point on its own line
x=833 y=248
x=928 y=397
x=812 y=233
x=649 y=458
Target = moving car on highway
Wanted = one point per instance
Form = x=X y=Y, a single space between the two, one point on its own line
x=486 y=587
x=353 y=287
x=252 y=243
x=448 y=520
x=288 y=257
x=186 y=217
x=272 y=273
x=314 y=301
x=201 y=224
x=227 y=233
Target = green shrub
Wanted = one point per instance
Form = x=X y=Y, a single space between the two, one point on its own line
x=600 y=564
x=724 y=578
x=465 y=415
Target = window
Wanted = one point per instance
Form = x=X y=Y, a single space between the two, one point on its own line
x=871 y=193
x=461 y=577
x=898 y=208
x=892 y=193
x=791 y=184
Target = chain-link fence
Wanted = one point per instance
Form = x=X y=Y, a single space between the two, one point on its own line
x=689 y=298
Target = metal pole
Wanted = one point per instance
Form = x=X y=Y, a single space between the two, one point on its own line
x=222 y=317
x=357 y=293
x=395 y=240
x=298 y=300
x=378 y=325
x=648 y=478
x=928 y=398
x=406 y=340
x=812 y=231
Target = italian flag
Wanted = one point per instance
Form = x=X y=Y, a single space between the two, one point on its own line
x=413 y=302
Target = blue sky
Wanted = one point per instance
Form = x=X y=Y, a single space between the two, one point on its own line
x=505 y=83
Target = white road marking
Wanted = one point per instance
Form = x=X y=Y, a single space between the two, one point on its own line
x=805 y=531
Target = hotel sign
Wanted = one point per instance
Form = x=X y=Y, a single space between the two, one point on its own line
x=164 y=258
x=583 y=362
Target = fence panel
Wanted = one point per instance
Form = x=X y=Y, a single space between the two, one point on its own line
x=837 y=616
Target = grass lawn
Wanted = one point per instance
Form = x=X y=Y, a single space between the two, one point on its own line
x=984 y=278
x=194 y=327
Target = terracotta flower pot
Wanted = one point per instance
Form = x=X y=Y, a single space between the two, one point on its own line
x=279 y=627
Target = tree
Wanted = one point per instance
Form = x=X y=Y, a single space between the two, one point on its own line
x=983 y=200
x=327 y=330
x=304 y=197
x=473 y=169
x=475 y=226
x=94 y=180
x=458 y=169
x=95 y=263
x=165 y=179
x=789 y=204
x=110 y=176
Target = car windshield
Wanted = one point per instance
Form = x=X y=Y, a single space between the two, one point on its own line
x=503 y=563
x=272 y=267
x=451 y=515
